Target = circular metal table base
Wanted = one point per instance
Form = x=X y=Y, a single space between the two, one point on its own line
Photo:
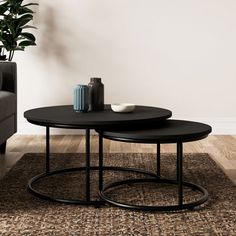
x=183 y=206
x=78 y=201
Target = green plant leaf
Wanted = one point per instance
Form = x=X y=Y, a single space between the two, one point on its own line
x=15 y=2
x=28 y=27
x=7 y=38
x=23 y=20
x=27 y=43
x=14 y=18
x=3 y=8
x=28 y=36
x=30 y=4
x=26 y=16
x=24 y=10
x=12 y=30
x=8 y=42
x=18 y=32
x=4 y=28
x=19 y=48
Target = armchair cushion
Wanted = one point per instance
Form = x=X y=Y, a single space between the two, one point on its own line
x=7 y=104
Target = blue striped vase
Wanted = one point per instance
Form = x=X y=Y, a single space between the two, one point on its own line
x=81 y=95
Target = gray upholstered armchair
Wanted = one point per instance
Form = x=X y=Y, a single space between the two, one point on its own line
x=8 y=102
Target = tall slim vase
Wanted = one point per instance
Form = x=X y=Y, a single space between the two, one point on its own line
x=96 y=94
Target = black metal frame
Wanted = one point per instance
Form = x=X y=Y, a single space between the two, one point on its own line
x=179 y=182
x=86 y=168
x=155 y=178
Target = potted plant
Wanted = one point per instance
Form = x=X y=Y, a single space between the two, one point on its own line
x=14 y=20
x=15 y=17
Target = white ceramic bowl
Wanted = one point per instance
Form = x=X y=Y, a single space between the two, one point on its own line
x=122 y=107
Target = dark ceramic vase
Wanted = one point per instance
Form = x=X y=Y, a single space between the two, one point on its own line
x=96 y=95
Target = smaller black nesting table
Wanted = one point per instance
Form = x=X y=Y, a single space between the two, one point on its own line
x=169 y=131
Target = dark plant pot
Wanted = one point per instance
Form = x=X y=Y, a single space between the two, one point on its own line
x=3 y=57
x=9 y=73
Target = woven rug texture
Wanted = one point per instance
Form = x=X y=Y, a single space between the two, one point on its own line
x=21 y=213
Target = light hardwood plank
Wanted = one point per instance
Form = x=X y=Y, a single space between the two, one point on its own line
x=221 y=148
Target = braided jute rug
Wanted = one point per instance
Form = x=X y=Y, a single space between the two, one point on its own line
x=24 y=214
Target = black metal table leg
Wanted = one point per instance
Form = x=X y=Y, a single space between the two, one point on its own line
x=87 y=168
x=158 y=159
x=179 y=170
x=179 y=182
x=87 y=144
x=47 y=155
x=100 y=162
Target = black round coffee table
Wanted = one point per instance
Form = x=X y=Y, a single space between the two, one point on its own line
x=66 y=117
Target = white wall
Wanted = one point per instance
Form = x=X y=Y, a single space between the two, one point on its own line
x=180 y=55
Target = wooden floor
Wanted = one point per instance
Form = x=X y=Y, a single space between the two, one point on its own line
x=221 y=148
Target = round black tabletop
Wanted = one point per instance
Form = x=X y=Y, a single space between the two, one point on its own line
x=169 y=131
x=66 y=117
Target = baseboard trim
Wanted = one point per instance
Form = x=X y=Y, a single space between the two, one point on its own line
x=220 y=126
